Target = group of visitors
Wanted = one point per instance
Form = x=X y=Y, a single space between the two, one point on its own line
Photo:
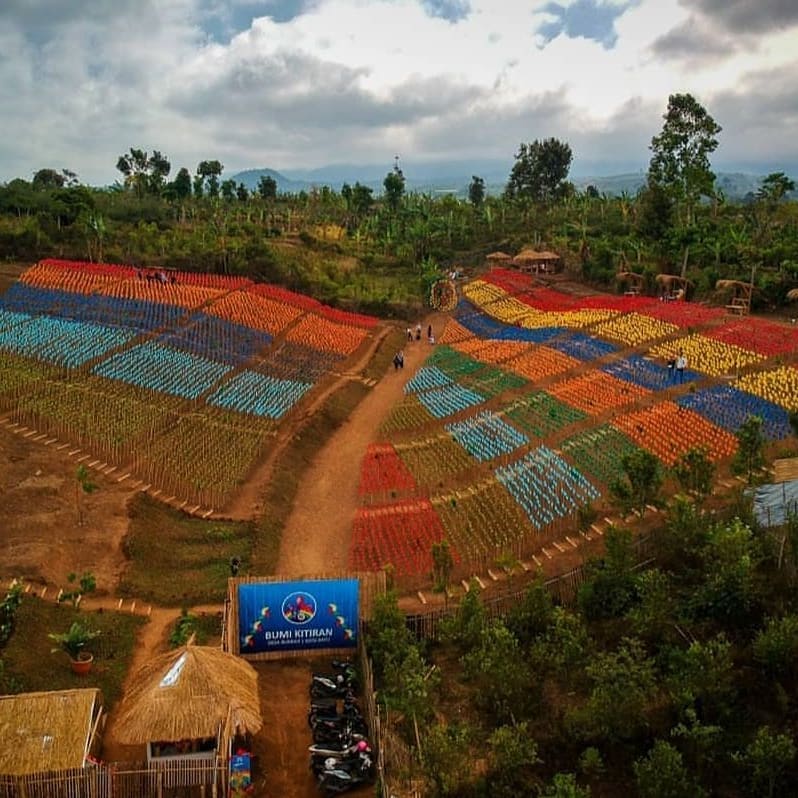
x=399 y=357
x=156 y=276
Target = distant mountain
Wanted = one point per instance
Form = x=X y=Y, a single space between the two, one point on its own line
x=444 y=177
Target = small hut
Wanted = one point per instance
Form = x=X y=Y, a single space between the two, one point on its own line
x=792 y=295
x=190 y=703
x=57 y=730
x=673 y=287
x=740 y=294
x=530 y=260
x=632 y=282
x=498 y=257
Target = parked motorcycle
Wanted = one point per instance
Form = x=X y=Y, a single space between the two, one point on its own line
x=344 y=748
x=332 y=730
x=337 y=777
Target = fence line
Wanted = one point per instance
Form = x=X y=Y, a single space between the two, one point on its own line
x=187 y=778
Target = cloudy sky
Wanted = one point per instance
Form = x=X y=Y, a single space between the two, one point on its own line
x=304 y=83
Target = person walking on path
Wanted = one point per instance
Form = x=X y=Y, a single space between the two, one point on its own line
x=409 y=334
x=671 y=368
x=418 y=331
x=401 y=356
x=681 y=365
x=429 y=331
x=396 y=362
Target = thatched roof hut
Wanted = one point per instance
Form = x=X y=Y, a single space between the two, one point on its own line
x=48 y=731
x=635 y=282
x=741 y=294
x=190 y=694
x=498 y=256
x=532 y=260
x=792 y=295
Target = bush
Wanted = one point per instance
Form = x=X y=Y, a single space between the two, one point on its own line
x=662 y=774
x=776 y=646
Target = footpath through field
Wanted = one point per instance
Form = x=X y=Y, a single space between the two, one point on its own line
x=317 y=534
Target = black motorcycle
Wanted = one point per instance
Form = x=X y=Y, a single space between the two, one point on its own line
x=332 y=730
x=337 y=777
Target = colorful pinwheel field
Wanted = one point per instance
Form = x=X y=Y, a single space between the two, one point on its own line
x=526 y=408
x=182 y=377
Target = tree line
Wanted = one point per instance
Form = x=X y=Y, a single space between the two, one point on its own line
x=679 y=222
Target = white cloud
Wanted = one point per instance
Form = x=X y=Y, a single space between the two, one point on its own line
x=351 y=80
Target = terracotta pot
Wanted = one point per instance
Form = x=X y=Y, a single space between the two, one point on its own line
x=82 y=665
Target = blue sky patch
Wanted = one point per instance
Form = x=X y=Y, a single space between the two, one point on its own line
x=589 y=19
x=451 y=10
x=222 y=22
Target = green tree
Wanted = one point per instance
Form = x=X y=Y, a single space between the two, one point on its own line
x=641 y=481
x=267 y=187
x=408 y=684
x=694 y=471
x=389 y=639
x=181 y=185
x=750 y=448
x=702 y=676
x=776 y=646
x=499 y=672
x=242 y=192
x=144 y=173
x=210 y=172
x=466 y=626
x=228 y=189
x=662 y=774
x=623 y=688
x=513 y=756
x=680 y=153
x=83 y=485
x=531 y=616
x=476 y=191
x=652 y=616
x=47 y=179
x=445 y=758
x=394 y=187
x=564 y=785
x=775 y=187
x=610 y=586
x=540 y=171
x=766 y=759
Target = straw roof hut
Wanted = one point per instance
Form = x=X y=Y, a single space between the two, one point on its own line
x=635 y=281
x=741 y=294
x=48 y=731
x=498 y=256
x=190 y=693
x=792 y=294
x=532 y=260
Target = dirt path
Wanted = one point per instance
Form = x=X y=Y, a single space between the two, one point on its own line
x=248 y=502
x=327 y=497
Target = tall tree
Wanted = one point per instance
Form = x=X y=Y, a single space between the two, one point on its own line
x=476 y=191
x=144 y=173
x=267 y=187
x=181 y=185
x=210 y=172
x=394 y=185
x=540 y=170
x=680 y=153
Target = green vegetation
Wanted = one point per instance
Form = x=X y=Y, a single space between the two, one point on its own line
x=29 y=663
x=206 y=629
x=378 y=254
x=670 y=680
x=176 y=560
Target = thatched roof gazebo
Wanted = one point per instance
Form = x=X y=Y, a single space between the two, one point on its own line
x=634 y=282
x=792 y=295
x=741 y=294
x=673 y=286
x=533 y=261
x=188 y=702
x=498 y=257
x=55 y=730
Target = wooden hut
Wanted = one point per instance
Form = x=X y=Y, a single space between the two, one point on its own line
x=189 y=704
x=57 y=730
x=792 y=295
x=498 y=257
x=740 y=294
x=530 y=260
x=673 y=287
x=632 y=282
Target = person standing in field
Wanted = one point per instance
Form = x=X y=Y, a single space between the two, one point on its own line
x=681 y=365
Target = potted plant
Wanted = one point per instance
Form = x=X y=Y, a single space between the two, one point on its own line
x=74 y=642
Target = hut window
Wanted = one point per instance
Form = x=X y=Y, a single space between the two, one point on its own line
x=173 y=674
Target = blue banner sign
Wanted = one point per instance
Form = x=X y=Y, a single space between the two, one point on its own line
x=291 y=616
